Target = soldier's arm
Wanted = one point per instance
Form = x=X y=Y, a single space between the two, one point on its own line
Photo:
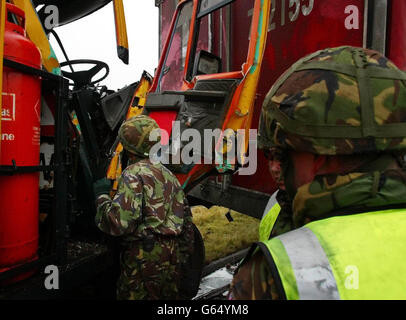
x=253 y=281
x=121 y=215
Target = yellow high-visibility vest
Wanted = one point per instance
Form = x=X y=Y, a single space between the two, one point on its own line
x=353 y=257
x=268 y=221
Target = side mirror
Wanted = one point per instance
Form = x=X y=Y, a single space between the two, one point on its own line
x=206 y=63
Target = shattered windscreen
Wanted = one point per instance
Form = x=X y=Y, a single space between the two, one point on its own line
x=172 y=74
x=213 y=36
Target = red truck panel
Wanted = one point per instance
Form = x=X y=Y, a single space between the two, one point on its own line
x=397 y=33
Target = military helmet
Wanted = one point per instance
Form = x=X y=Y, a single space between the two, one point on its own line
x=134 y=135
x=337 y=101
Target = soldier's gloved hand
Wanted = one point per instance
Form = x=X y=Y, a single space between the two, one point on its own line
x=101 y=186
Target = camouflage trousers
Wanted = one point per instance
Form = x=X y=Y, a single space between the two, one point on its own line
x=150 y=272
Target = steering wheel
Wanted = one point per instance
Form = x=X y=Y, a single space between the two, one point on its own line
x=82 y=78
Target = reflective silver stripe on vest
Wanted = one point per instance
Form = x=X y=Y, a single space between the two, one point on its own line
x=314 y=277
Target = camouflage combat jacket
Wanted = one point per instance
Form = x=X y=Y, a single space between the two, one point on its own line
x=149 y=199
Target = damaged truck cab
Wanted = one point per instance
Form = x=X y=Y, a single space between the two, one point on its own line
x=196 y=85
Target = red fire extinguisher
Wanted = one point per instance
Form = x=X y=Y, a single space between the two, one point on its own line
x=20 y=146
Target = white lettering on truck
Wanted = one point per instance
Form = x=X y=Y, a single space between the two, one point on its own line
x=295 y=7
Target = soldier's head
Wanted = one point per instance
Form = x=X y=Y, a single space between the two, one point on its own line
x=138 y=134
x=333 y=112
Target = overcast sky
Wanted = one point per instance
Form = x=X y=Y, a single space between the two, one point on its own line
x=93 y=37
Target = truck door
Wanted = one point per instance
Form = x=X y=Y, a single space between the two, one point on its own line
x=195 y=83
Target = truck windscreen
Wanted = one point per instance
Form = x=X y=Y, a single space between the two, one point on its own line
x=172 y=74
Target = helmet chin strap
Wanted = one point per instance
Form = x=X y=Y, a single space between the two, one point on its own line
x=288 y=174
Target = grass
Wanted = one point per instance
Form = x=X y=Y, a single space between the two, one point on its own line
x=222 y=237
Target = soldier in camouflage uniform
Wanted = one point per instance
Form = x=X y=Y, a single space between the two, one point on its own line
x=150 y=213
x=336 y=119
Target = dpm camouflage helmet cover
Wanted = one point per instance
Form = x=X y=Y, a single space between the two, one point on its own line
x=337 y=101
x=134 y=135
